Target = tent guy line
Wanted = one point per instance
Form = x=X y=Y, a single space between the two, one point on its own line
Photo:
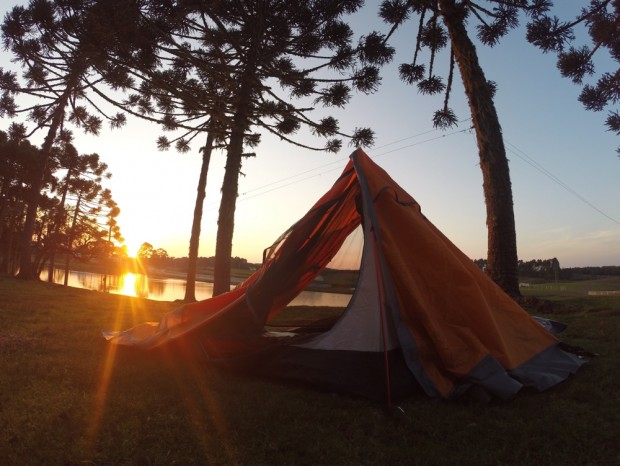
x=252 y=193
x=443 y=136
x=341 y=161
x=537 y=166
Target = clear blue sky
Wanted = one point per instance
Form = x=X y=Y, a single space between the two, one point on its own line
x=564 y=169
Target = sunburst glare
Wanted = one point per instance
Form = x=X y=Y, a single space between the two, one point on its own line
x=135 y=285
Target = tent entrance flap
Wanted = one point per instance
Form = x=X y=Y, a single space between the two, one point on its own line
x=319 y=306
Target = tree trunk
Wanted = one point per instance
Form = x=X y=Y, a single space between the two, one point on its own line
x=230 y=190
x=226 y=217
x=194 y=241
x=55 y=226
x=25 y=260
x=230 y=186
x=25 y=252
x=70 y=241
x=502 y=259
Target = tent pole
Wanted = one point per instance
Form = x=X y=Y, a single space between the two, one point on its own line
x=386 y=364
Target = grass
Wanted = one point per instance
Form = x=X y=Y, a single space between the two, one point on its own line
x=68 y=397
x=565 y=290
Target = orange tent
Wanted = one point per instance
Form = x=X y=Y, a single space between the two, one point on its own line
x=422 y=316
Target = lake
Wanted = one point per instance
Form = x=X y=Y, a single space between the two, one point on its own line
x=171 y=289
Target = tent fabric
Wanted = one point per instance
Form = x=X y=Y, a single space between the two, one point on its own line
x=422 y=316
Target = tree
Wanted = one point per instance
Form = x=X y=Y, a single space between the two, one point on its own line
x=442 y=23
x=268 y=46
x=194 y=240
x=67 y=49
x=72 y=190
x=145 y=251
x=601 y=19
x=159 y=258
x=181 y=94
x=18 y=160
x=114 y=232
x=149 y=255
x=88 y=233
x=80 y=170
x=174 y=91
x=110 y=250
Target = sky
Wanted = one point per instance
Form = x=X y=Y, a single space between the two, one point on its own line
x=564 y=169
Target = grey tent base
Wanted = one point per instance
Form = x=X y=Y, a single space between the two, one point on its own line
x=364 y=374
x=546 y=369
x=356 y=373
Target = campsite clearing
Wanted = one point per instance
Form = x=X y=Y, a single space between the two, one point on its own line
x=67 y=396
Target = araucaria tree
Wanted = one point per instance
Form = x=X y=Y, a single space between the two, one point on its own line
x=187 y=95
x=602 y=21
x=270 y=56
x=76 y=215
x=442 y=24
x=81 y=173
x=66 y=50
x=18 y=162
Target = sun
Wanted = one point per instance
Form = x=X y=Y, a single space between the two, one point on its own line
x=134 y=231
x=132 y=248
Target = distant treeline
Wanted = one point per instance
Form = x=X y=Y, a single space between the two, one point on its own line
x=576 y=273
x=536 y=268
x=202 y=263
x=546 y=269
x=550 y=269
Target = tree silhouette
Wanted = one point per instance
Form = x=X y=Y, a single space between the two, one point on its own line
x=601 y=19
x=86 y=238
x=232 y=72
x=443 y=23
x=145 y=251
x=18 y=161
x=67 y=51
x=271 y=49
x=79 y=170
x=185 y=97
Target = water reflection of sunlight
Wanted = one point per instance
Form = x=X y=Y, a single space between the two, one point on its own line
x=171 y=289
x=135 y=285
x=128 y=283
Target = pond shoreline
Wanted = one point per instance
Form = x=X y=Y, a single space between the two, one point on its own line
x=204 y=276
x=159 y=288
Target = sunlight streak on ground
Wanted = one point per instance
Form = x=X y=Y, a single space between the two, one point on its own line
x=101 y=394
x=204 y=408
x=138 y=314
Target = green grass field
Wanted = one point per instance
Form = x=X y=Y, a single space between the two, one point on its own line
x=69 y=397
